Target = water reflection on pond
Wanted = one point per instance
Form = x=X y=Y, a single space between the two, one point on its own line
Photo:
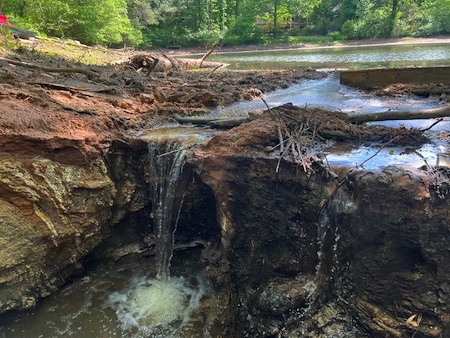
x=340 y=57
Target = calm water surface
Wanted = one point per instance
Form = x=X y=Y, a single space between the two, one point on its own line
x=329 y=94
x=340 y=57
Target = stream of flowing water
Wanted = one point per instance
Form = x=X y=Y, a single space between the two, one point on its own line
x=133 y=297
x=166 y=166
x=329 y=94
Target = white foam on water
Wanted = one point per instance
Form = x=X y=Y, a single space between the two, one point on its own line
x=157 y=308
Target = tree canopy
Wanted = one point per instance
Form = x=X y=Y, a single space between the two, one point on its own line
x=203 y=22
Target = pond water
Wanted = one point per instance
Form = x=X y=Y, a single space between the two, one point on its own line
x=340 y=57
x=98 y=305
x=329 y=94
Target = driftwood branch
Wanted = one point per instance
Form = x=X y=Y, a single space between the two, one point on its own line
x=57 y=86
x=162 y=63
x=51 y=69
x=401 y=115
x=208 y=53
x=384 y=146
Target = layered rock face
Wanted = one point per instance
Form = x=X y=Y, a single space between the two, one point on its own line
x=52 y=215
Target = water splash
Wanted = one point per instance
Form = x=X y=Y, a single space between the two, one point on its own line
x=162 y=306
x=154 y=308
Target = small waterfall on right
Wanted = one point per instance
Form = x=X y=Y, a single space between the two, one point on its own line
x=329 y=237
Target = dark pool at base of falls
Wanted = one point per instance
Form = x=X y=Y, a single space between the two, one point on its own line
x=102 y=303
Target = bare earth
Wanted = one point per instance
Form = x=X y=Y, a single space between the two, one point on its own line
x=70 y=114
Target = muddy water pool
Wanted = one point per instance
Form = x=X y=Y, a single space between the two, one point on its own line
x=98 y=304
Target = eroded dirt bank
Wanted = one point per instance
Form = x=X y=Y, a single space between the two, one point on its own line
x=62 y=191
x=327 y=252
x=298 y=248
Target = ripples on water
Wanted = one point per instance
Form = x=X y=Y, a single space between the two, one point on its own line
x=329 y=94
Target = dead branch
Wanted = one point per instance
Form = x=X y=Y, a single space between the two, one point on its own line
x=152 y=66
x=105 y=89
x=51 y=69
x=384 y=146
x=222 y=65
x=432 y=125
x=208 y=53
x=401 y=115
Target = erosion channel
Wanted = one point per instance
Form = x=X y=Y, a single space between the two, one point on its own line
x=272 y=239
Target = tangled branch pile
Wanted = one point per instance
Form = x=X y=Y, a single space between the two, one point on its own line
x=302 y=130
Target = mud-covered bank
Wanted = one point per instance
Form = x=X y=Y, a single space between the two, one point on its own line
x=62 y=189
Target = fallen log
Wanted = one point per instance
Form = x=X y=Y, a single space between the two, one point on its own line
x=212 y=121
x=51 y=69
x=163 y=63
x=401 y=115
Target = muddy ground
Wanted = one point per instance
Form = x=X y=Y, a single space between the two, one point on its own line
x=45 y=99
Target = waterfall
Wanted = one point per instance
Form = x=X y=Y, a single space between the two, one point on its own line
x=167 y=160
x=162 y=306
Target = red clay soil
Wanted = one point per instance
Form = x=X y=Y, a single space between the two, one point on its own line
x=71 y=117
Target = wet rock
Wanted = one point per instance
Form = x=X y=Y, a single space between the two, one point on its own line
x=279 y=297
x=51 y=215
x=377 y=243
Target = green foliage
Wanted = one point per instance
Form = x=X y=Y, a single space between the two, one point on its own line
x=205 y=22
x=438 y=15
x=243 y=32
x=372 y=22
x=7 y=39
x=203 y=38
x=90 y=21
x=157 y=36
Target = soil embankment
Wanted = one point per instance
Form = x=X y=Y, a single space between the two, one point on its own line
x=298 y=249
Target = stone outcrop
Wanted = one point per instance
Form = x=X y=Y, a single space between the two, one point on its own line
x=51 y=216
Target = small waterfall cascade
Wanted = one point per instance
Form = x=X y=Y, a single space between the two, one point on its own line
x=329 y=237
x=162 y=306
x=166 y=167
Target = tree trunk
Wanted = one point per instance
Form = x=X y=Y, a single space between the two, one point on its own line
x=153 y=62
x=401 y=115
x=275 y=19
